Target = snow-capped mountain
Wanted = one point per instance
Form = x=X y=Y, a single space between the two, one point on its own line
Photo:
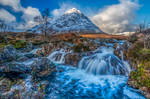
x=73 y=21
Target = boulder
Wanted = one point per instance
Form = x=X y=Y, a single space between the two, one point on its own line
x=30 y=55
x=13 y=69
x=9 y=53
x=42 y=68
x=47 y=49
x=39 y=53
x=72 y=59
x=29 y=46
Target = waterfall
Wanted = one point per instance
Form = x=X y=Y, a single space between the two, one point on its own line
x=104 y=62
x=58 y=56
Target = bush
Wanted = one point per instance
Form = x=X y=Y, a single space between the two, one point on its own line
x=147 y=41
x=133 y=38
x=140 y=77
x=134 y=53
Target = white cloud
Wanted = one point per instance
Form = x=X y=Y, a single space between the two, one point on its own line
x=28 y=13
x=117 y=18
x=6 y=16
x=63 y=8
x=28 y=16
x=15 y=4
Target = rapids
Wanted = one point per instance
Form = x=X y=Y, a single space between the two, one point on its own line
x=101 y=75
x=104 y=62
x=58 y=56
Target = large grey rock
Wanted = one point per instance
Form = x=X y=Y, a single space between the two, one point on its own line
x=9 y=53
x=72 y=59
x=13 y=69
x=42 y=67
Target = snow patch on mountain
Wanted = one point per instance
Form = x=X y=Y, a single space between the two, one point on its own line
x=72 y=21
x=73 y=10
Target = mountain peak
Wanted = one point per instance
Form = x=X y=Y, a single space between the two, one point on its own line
x=72 y=21
x=73 y=10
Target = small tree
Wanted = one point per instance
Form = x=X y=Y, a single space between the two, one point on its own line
x=141 y=27
x=5 y=28
x=146 y=40
x=43 y=22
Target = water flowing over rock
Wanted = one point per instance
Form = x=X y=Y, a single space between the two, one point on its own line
x=104 y=62
x=77 y=84
x=42 y=67
x=99 y=75
x=58 y=56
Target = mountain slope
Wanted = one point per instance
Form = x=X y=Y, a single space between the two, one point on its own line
x=74 y=21
x=71 y=21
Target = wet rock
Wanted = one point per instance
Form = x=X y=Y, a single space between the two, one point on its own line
x=8 y=54
x=42 y=68
x=29 y=46
x=3 y=39
x=72 y=59
x=13 y=69
x=22 y=59
x=30 y=55
x=121 y=50
x=5 y=88
x=39 y=53
x=47 y=49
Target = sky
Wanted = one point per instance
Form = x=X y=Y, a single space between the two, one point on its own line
x=109 y=15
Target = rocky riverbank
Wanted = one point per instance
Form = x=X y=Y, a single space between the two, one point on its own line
x=139 y=56
x=29 y=69
x=17 y=68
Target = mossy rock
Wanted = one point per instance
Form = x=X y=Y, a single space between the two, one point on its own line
x=19 y=44
x=3 y=39
x=81 y=48
x=2 y=45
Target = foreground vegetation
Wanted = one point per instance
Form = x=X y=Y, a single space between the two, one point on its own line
x=139 y=56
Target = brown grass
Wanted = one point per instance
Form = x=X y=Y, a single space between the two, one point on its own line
x=104 y=36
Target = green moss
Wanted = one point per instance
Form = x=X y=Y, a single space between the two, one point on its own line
x=19 y=44
x=11 y=83
x=2 y=45
x=141 y=77
x=42 y=87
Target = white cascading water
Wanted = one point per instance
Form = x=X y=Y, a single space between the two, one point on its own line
x=108 y=82
x=104 y=62
x=58 y=56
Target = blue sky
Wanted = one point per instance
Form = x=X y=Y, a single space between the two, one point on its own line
x=143 y=12
x=21 y=10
